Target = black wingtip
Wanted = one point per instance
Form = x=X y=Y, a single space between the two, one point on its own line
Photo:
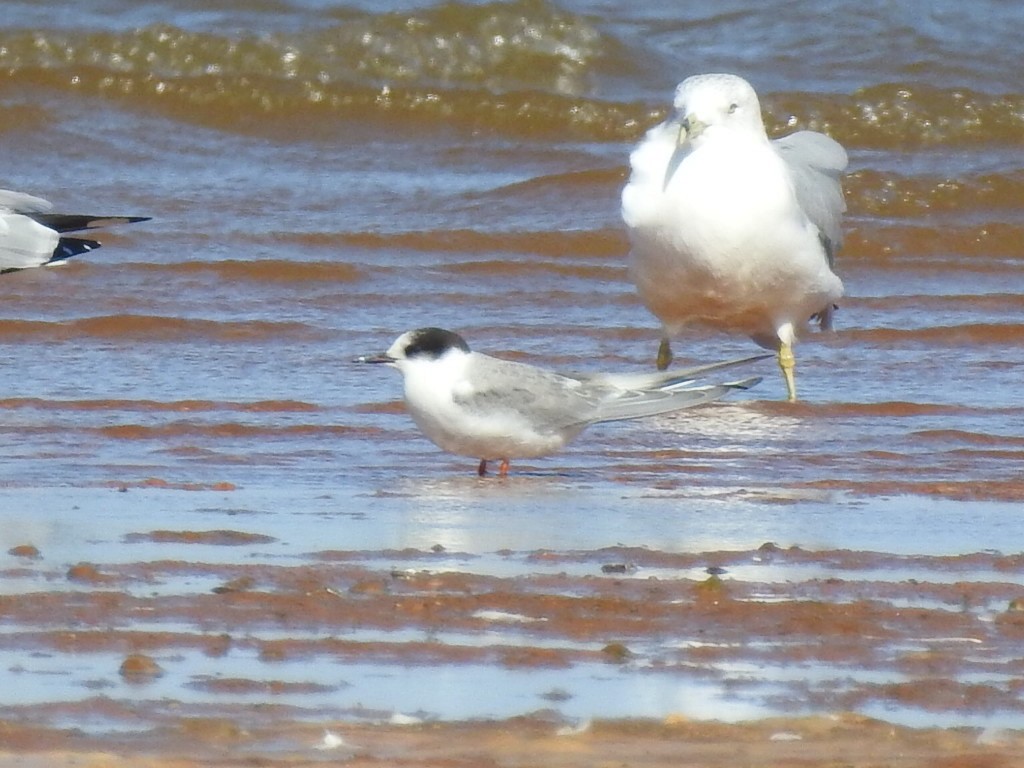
x=72 y=246
x=753 y=381
x=74 y=222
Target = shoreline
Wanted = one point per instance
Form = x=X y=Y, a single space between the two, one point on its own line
x=844 y=739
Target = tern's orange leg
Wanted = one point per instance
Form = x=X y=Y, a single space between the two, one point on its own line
x=482 y=469
x=503 y=468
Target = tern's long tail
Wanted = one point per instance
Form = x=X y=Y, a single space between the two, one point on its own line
x=678 y=377
x=635 y=404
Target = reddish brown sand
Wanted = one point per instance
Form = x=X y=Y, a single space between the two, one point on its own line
x=845 y=741
x=854 y=622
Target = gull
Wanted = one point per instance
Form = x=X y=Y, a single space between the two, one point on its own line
x=31 y=235
x=471 y=404
x=729 y=229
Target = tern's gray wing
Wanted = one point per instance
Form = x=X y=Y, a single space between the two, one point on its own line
x=677 y=377
x=635 y=404
x=815 y=163
x=545 y=400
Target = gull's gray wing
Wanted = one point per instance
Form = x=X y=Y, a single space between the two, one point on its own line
x=30 y=232
x=19 y=202
x=24 y=242
x=816 y=163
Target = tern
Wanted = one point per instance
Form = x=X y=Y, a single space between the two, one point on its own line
x=475 y=405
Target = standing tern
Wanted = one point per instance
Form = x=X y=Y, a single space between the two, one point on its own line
x=475 y=405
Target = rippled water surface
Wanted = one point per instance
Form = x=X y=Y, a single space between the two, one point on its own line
x=322 y=177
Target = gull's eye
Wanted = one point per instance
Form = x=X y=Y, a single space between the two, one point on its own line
x=733 y=108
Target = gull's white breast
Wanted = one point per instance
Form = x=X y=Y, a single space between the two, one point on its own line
x=718 y=236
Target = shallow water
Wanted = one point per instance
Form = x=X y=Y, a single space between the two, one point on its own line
x=322 y=178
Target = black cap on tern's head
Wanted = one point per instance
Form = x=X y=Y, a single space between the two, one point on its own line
x=421 y=344
x=430 y=343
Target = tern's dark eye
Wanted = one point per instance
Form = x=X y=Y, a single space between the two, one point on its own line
x=733 y=108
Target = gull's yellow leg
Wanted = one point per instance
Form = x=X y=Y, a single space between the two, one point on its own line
x=664 y=354
x=787 y=362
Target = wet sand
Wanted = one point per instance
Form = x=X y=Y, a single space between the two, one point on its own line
x=818 y=741
x=830 y=632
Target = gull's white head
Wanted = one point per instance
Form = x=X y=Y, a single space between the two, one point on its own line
x=711 y=105
x=420 y=347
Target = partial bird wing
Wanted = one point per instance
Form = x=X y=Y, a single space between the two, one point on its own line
x=545 y=400
x=24 y=243
x=549 y=401
x=75 y=222
x=677 y=377
x=635 y=404
x=19 y=202
x=816 y=163
x=30 y=232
